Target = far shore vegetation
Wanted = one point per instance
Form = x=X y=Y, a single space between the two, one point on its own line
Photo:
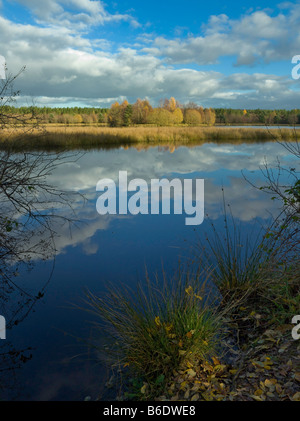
x=169 y=112
x=140 y=123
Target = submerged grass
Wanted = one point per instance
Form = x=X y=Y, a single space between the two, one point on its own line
x=95 y=136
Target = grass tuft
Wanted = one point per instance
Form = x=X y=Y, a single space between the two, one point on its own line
x=159 y=327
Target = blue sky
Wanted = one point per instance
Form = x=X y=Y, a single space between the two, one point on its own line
x=92 y=53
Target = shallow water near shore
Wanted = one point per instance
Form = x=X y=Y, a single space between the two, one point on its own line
x=117 y=249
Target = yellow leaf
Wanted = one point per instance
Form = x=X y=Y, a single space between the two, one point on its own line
x=183 y=384
x=216 y=361
x=157 y=321
x=220 y=368
x=191 y=372
x=258 y=392
x=189 y=290
x=168 y=327
x=296 y=397
x=180 y=344
x=195 y=397
x=269 y=383
x=143 y=389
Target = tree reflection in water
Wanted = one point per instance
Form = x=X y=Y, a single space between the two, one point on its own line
x=29 y=208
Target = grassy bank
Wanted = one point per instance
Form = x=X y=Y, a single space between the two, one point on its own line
x=94 y=136
x=170 y=343
x=221 y=333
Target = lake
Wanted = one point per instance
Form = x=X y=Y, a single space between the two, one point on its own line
x=53 y=335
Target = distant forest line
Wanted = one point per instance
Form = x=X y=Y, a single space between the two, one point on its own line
x=170 y=112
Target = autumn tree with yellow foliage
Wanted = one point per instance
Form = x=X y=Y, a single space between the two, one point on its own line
x=169 y=113
x=192 y=117
x=177 y=116
x=161 y=117
x=120 y=115
x=140 y=111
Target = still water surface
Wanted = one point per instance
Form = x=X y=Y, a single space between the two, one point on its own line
x=116 y=249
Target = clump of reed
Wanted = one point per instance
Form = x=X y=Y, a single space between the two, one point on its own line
x=158 y=327
x=235 y=263
x=255 y=274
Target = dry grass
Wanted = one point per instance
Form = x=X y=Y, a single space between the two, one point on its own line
x=94 y=136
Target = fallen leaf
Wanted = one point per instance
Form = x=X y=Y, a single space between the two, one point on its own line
x=195 y=397
x=257 y=398
x=258 y=392
x=187 y=394
x=296 y=397
x=191 y=373
x=183 y=384
x=270 y=382
x=216 y=361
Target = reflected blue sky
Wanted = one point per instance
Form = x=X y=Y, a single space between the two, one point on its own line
x=117 y=249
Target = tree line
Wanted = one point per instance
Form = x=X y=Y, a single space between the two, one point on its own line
x=169 y=112
x=257 y=116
